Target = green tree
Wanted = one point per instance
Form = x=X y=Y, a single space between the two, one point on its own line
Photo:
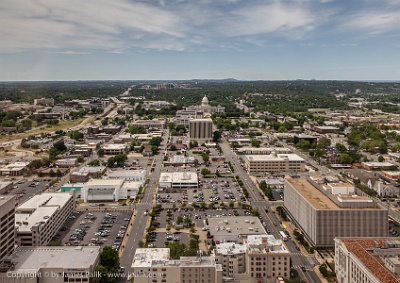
x=100 y=152
x=177 y=249
x=323 y=143
x=94 y=162
x=205 y=172
x=76 y=135
x=304 y=144
x=340 y=147
x=345 y=158
x=255 y=142
x=216 y=136
x=109 y=258
x=381 y=158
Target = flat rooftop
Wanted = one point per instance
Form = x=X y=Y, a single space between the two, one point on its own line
x=114 y=146
x=145 y=257
x=235 y=226
x=92 y=169
x=4 y=199
x=319 y=200
x=39 y=209
x=271 y=157
x=32 y=259
x=104 y=183
x=178 y=177
x=230 y=248
x=265 y=244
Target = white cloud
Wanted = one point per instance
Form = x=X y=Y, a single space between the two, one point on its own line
x=118 y=25
x=373 y=22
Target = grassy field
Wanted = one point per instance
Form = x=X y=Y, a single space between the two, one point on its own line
x=63 y=125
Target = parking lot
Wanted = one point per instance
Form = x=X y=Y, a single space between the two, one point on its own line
x=214 y=190
x=197 y=216
x=96 y=228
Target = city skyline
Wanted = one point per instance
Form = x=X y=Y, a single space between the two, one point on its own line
x=180 y=40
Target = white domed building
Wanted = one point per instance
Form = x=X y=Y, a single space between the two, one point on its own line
x=197 y=112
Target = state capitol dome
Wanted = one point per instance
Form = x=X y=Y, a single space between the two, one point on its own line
x=205 y=100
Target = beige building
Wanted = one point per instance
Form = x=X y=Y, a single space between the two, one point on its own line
x=234 y=229
x=206 y=108
x=259 y=164
x=46 y=264
x=14 y=169
x=114 y=149
x=263 y=150
x=328 y=210
x=367 y=260
x=160 y=123
x=259 y=258
x=44 y=101
x=155 y=266
x=40 y=218
x=201 y=130
x=7 y=225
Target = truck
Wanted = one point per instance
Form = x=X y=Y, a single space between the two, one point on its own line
x=283 y=236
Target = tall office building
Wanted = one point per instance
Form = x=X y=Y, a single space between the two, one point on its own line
x=325 y=210
x=201 y=130
x=7 y=225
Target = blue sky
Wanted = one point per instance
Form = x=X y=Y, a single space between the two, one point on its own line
x=205 y=39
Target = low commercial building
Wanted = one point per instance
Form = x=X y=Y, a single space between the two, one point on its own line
x=259 y=164
x=77 y=187
x=180 y=160
x=44 y=264
x=234 y=229
x=325 y=129
x=179 y=180
x=393 y=175
x=93 y=170
x=66 y=162
x=14 y=169
x=40 y=218
x=102 y=190
x=79 y=177
x=128 y=175
x=160 y=124
x=96 y=190
x=263 y=150
x=378 y=165
x=155 y=265
x=324 y=211
x=7 y=224
x=372 y=260
x=114 y=149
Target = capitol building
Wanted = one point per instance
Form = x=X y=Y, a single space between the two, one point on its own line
x=197 y=112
